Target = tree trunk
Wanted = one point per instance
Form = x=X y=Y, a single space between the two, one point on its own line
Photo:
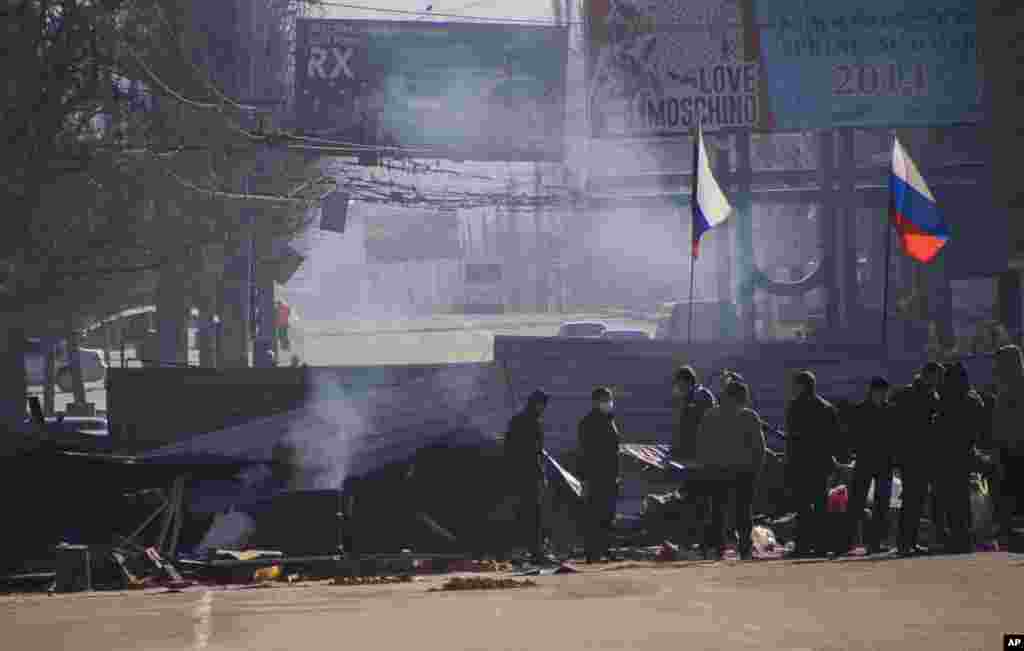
x=49 y=380
x=13 y=404
x=171 y=310
x=75 y=360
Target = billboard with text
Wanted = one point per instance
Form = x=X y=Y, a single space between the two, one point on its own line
x=655 y=67
x=458 y=90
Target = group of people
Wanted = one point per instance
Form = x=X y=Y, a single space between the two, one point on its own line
x=933 y=432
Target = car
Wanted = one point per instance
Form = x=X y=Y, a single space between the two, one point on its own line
x=94 y=368
x=582 y=330
x=626 y=334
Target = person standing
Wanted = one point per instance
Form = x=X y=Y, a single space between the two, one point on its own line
x=872 y=424
x=960 y=422
x=599 y=471
x=282 y=315
x=524 y=455
x=812 y=429
x=695 y=400
x=917 y=406
x=730 y=444
x=1008 y=435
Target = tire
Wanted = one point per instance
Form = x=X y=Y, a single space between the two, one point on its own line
x=65 y=381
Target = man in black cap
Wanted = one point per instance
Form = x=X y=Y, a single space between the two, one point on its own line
x=524 y=454
x=812 y=432
x=599 y=471
x=872 y=426
x=917 y=406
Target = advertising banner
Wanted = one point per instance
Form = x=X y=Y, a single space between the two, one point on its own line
x=869 y=63
x=657 y=66
x=464 y=91
x=396 y=234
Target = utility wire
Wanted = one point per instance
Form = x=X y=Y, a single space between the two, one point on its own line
x=406 y=12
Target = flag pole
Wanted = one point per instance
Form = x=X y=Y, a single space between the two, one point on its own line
x=885 y=290
x=888 y=263
x=693 y=264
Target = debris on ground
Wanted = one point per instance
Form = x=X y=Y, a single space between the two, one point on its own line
x=482 y=583
x=371 y=580
x=272 y=573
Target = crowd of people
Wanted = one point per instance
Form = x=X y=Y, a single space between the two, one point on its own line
x=933 y=433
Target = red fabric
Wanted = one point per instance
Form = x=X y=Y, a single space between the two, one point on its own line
x=838 y=498
x=283 y=313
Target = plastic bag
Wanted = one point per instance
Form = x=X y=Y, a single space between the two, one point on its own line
x=982 y=508
x=763 y=540
x=229 y=531
x=895 y=500
x=838 y=499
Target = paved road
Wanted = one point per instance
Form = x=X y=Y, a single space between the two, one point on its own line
x=905 y=605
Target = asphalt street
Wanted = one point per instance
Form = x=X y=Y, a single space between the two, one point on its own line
x=923 y=604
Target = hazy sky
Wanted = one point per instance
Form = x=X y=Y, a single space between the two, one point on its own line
x=529 y=9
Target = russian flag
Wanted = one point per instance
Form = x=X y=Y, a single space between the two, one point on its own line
x=913 y=210
x=707 y=202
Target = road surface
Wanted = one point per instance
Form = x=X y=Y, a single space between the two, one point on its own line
x=923 y=604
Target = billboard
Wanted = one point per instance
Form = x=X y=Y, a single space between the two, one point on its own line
x=870 y=63
x=397 y=234
x=462 y=90
x=657 y=66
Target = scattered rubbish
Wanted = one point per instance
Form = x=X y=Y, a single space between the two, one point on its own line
x=371 y=580
x=763 y=540
x=272 y=573
x=482 y=583
x=838 y=499
x=667 y=552
x=479 y=566
x=546 y=571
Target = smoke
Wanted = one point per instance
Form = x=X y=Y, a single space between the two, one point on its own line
x=353 y=426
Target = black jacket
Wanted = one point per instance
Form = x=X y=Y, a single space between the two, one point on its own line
x=812 y=434
x=695 y=405
x=960 y=425
x=599 y=448
x=917 y=407
x=524 y=446
x=872 y=429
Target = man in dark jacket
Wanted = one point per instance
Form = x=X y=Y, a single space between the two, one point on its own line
x=917 y=406
x=872 y=424
x=524 y=454
x=812 y=430
x=695 y=400
x=599 y=471
x=960 y=423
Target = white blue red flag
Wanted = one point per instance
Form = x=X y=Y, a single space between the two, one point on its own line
x=913 y=210
x=707 y=202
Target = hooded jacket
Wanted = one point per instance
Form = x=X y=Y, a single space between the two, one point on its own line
x=599 y=448
x=695 y=405
x=524 y=447
x=960 y=419
x=731 y=437
x=812 y=434
x=1007 y=429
